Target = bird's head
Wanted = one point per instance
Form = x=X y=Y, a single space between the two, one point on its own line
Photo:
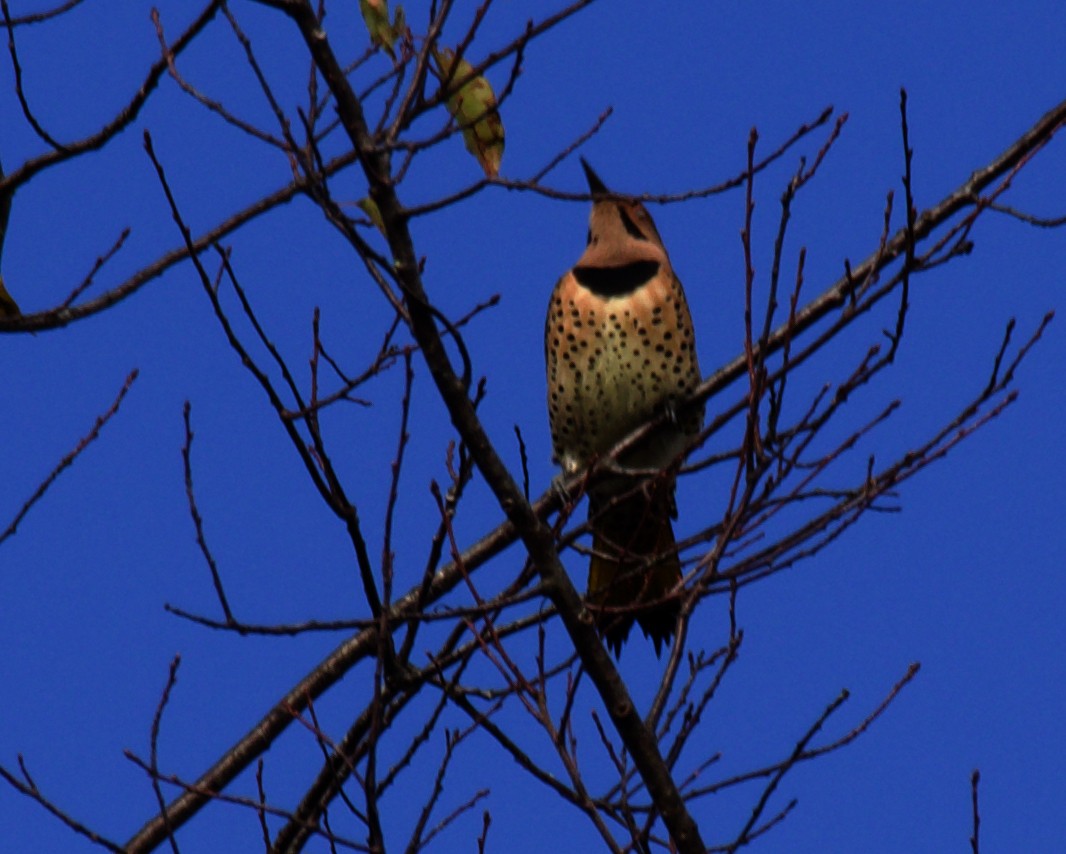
x=620 y=231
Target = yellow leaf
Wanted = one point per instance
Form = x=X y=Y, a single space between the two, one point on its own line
x=473 y=105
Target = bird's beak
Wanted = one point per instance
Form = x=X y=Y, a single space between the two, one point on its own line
x=595 y=184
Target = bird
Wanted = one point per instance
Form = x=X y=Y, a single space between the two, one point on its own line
x=620 y=348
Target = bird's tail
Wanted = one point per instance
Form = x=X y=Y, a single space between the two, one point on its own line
x=634 y=566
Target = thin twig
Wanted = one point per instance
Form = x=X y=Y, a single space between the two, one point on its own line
x=67 y=460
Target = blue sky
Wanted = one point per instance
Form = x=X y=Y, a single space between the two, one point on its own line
x=967 y=578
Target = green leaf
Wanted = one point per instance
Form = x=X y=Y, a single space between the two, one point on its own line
x=376 y=18
x=368 y=206
x=399 y=23
x=473 y=105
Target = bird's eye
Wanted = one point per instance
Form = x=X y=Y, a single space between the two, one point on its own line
x=630 y=226
x=588 y=237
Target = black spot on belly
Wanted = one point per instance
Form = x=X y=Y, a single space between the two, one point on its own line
x=616 y=281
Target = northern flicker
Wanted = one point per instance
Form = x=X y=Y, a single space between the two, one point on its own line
x=620 y=348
